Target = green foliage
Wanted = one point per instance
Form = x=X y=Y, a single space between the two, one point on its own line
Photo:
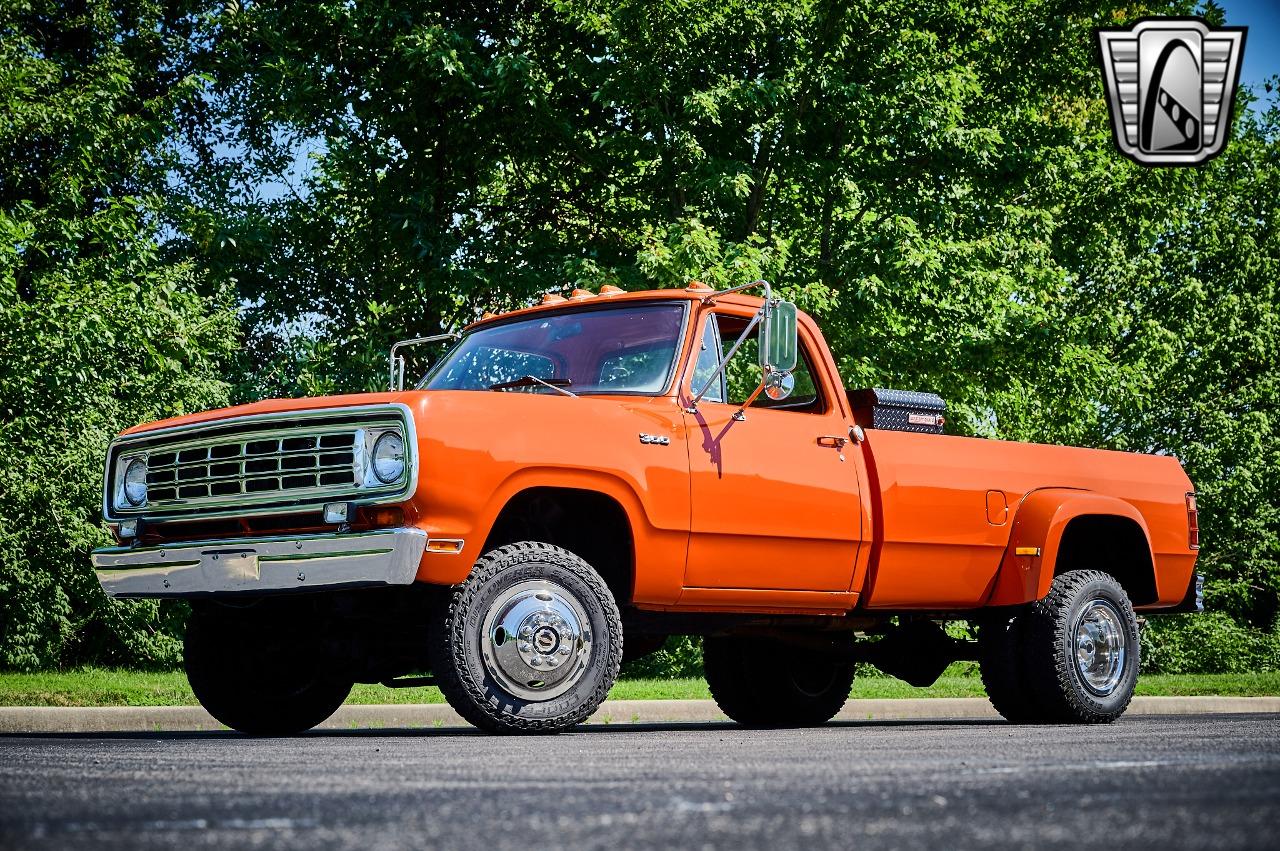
x=97 y=331
x=680 y=656
x=1211 y=642
x=934 y=181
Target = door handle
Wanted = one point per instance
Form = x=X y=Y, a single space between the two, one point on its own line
x=834 y=441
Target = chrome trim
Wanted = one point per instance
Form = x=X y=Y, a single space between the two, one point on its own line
x=1100 y=647
x=454 y=546
x=396 y=364
x=536 y=640
x=262 y=565
x=275 y=502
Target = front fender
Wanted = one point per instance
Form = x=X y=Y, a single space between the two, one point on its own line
x=1041 y=519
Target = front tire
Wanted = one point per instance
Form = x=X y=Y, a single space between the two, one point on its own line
x=257 y=679
x=763 y=682
x=530 y=643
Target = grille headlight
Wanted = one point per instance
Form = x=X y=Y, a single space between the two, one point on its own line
x=135 y=482
x=388 y=457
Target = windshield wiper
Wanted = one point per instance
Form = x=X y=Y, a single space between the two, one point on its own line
x=556 y=384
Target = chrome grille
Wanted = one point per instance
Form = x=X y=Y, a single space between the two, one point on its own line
x=255 y=465
x=260 y=464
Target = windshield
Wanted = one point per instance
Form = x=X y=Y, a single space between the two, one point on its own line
x=600 y=350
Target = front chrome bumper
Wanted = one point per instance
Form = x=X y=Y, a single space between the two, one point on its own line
x=262 y=565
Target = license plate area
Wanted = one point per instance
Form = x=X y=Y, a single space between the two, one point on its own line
x=231 y=568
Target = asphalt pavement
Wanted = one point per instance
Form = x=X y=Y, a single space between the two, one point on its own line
x=1155 y=781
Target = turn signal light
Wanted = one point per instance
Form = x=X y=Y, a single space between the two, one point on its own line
x=1193 y=523
x=382 y=517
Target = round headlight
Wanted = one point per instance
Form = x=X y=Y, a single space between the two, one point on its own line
x=135 y=482
x=388 y=457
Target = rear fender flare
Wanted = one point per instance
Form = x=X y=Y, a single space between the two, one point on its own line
x=1041 y=519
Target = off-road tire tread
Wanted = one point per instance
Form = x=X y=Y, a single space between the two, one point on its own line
x=1050 y=674
x=740 y=695
x=449 y=665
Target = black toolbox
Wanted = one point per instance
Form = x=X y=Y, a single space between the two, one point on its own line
x=898 y=410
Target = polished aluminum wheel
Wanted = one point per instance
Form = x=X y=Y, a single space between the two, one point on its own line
x=536 y=640
x=1101 y=647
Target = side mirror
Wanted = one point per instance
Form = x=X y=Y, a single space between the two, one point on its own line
x=778 y=338
x=779 y=385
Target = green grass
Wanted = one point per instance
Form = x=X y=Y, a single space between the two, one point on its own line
x=104 y=687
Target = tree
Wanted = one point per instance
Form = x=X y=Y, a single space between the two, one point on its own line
x=935 y=180
x=97 y=331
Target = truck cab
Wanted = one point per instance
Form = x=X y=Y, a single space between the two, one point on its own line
x=636 y=465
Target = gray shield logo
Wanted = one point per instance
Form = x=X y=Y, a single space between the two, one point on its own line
x=1170 y=86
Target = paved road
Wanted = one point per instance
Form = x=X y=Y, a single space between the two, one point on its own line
x=1167 y=782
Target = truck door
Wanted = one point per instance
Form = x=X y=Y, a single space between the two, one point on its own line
x=775 y=496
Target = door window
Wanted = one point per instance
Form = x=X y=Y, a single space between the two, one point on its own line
x=708 y=360
x=743 y=374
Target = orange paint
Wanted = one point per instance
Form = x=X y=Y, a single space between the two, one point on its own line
x=782 y=512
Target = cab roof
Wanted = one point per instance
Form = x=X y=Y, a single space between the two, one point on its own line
x=695 y=291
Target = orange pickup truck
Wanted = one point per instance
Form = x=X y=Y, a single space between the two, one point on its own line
x=639 y=464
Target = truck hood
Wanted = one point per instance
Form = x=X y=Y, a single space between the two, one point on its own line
x=277 y=406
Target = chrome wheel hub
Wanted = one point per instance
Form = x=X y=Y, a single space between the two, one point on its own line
x=1100 y=647
x=536 y=640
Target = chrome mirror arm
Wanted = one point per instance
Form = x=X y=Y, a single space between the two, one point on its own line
x=741 y=414
x=724 y=362
x=755 y=320
x=767 y=381
x=396 y=362
x=759 y=282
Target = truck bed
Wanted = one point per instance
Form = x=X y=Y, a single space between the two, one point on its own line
x=944 y=507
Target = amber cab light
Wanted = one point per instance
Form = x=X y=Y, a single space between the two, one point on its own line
x=1193 y=523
